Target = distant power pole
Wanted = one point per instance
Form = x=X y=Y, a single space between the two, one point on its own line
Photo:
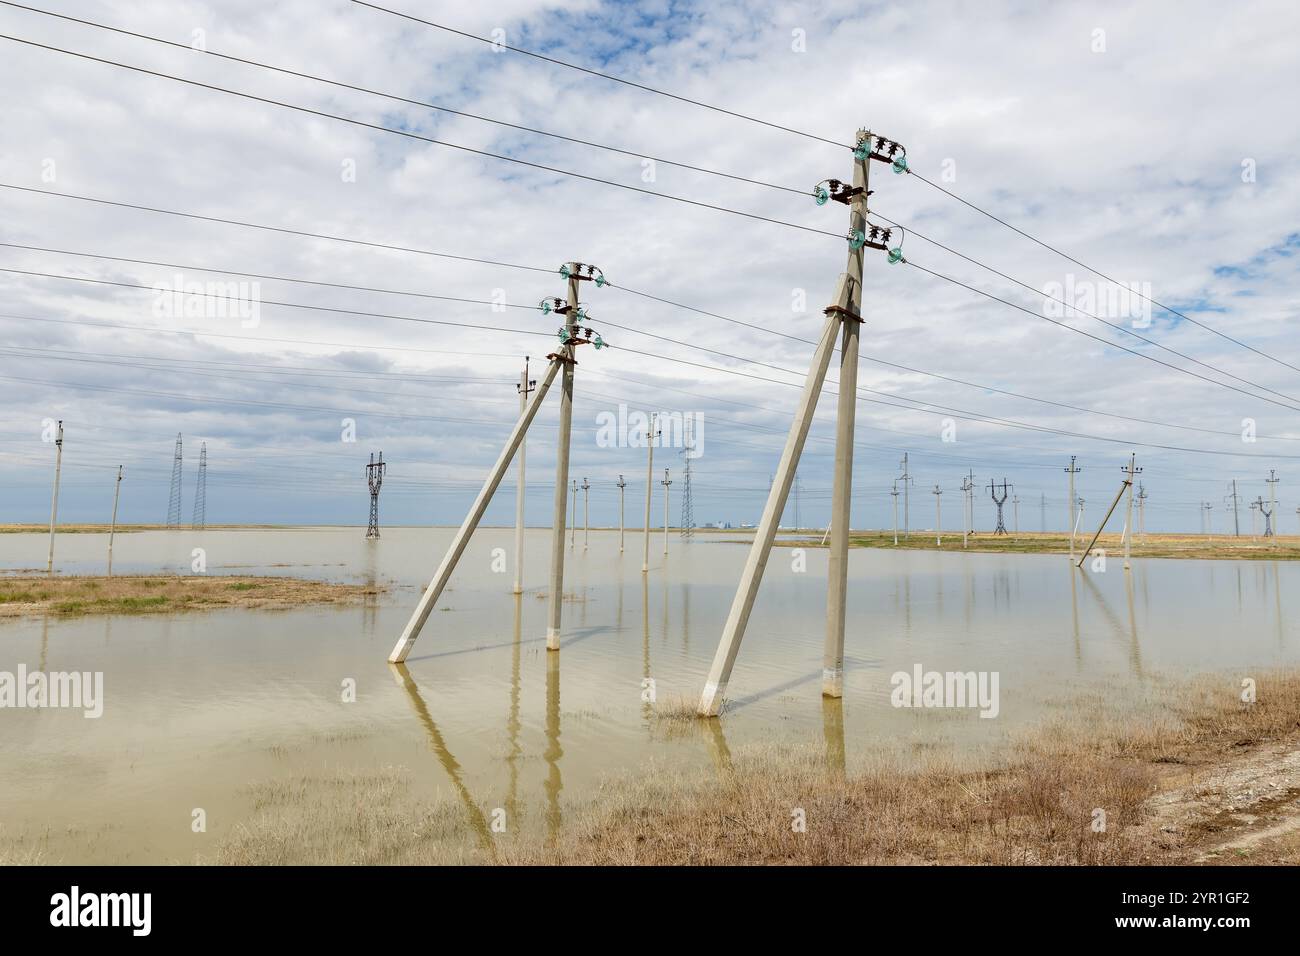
x=1042 y=511
x=1206 y=508
x=1236 y=521
x=525 y=388
x=652 y=432
x=666 y=483
x=1070 y=505
x=112 y=528
x=894 y=494
x=200 y=519
x=586 y=513
x=1001 y=527
x=1254 y=524
x=621 y=485
x=174 y=499
x=938 y=518
x=374 y=479
x=906 y=479
x=1272 y=480
x=1142 y=511
x=1015 y=514
x=688 y=499
x=967 y=483
x=54 y=499
x=1133 y=470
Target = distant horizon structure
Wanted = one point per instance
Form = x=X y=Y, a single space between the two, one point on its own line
x=200 y=519
x=174 y=498
x=374 y=481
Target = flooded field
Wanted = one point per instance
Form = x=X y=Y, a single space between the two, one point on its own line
x=209 y=710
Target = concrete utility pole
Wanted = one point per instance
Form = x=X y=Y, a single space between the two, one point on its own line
x=1272 y=481
x=571 y=335
x=965 y=507
x=1142 y=511
x=1042 y=511
x=1236 y=521
x=621 y=485
x=651 y=434
x=906 y=479
x=843 y=317
x=1206 y=507
x=112 y=528
x=1254 y=523
x=893 y=494
x=1128 y=522
x=54 y=499
x=938 y=519
x=666 y=483
x=1124 y=486
x=525 y=388
x=1015 y=514
x=1070 y=507
x=586 y=523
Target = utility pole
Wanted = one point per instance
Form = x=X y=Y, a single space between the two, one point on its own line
x=1070 y=507
x=54 y=499
x=1133 y=470
x=374 y=481
x=1015 y=514
x=1254 y=524
x=938 y=519
x=894 y=494
x=666 y=483
x=1236 y=522
x=1042 y=511
x=200 y=518
x=1142 y=511
x=1209 y=518
x=525 y=388
x=906 y=479
x=651 y=434
x=586 y=524
x=1001 y=526
x=843 y=317
x=1272 y=481
x=112 y=528
x=621 y=485
x=571 y=335
x=966 y=485
x=174 y=498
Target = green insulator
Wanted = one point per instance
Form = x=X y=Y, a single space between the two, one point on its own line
x=546 y=307
x=564 y=270
x=895 y=255
x=857 y=239
x=581 y=314
x=598 y=342
x=862 y=150
x=900 y=164
x=563 y=335
x=822 y=195
x=601 y=280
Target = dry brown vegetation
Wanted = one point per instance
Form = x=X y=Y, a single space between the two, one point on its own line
x=146 y=594
x=1198 y=777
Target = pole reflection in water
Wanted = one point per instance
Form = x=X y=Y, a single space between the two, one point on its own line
x=553 y=752
x=1127 y=635
x=1074 y=614
x=647 y=710
x=718 y=748
x=512 y=720
x=473 y=814
x=833 y=730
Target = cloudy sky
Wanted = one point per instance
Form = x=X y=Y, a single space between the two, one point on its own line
x=1151 y=142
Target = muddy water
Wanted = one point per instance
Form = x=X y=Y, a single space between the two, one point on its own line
x=200 y=707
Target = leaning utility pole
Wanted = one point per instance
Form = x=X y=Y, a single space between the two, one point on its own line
x=525 y=388
x=374 y=481
x=586 y=513
x=665 y=483
x=200 y=519
x=1124 y=486
x=1072 y=471
x=571 y=336
x=1272 y=481
x=54 y=499
x=1236 y=521
x=906 y=479
x=174 y=497
x=652 y=432
x=938 y=520
x=843 y=317
x=621 y=485
x=112 y=528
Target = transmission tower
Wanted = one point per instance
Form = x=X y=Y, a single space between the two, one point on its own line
x=200 y=519
x=374 y=480
x=174 y=499
x=688 y=501
x=1001 y=528
x=1268 y=517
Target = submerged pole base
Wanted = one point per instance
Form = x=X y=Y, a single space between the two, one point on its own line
x=832 y=682
x=711 y=700
x=552 y=639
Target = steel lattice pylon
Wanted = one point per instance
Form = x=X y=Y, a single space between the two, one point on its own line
x=688 y=499
x=374 y=479
x=201 y=491
x=1001 y=528
x=174 y=499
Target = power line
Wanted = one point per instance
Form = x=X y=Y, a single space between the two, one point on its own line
x=1102 y=275
x=425 y=139
x=605 y=76
x=412 y=102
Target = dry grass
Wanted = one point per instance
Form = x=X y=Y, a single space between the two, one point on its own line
x=130 y=594
x=1035 y=807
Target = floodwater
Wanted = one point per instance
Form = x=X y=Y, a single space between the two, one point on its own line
x=200 y=707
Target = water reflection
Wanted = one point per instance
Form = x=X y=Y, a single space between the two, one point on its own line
x=553 y=752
